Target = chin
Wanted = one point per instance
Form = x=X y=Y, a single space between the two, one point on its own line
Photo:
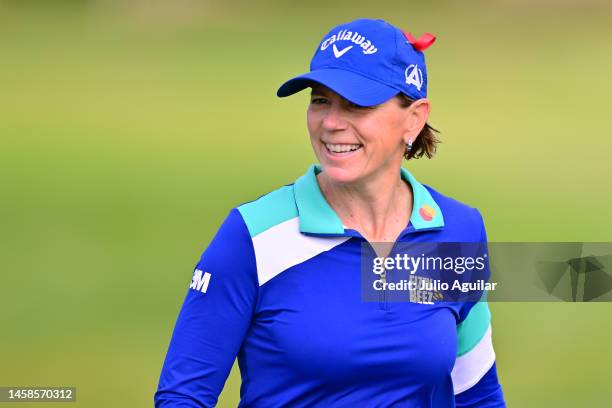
x=340 y=174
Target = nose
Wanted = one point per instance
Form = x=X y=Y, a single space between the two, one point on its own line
x=334 y=118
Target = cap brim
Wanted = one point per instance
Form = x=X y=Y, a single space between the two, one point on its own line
x=354 y=87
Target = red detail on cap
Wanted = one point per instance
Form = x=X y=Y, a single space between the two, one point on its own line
x=422 y=43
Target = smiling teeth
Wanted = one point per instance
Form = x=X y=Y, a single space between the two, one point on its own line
x=341 y=148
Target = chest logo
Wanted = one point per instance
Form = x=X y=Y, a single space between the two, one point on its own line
x=427 y=213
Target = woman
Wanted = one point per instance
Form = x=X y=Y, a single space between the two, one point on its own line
x=279 y=285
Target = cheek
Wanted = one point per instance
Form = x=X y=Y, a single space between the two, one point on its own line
x=311 y=120
x=312 y=133
x=384 y=139
x=313 y=127
x=377 y=132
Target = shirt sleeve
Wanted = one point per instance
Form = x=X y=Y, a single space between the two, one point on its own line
x=213 y=320
x=474 y=374
x=487 y=393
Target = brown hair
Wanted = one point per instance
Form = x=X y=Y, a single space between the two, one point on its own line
x=426 y=142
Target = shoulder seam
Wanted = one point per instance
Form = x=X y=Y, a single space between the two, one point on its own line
x=269 y=210
x=252 y=249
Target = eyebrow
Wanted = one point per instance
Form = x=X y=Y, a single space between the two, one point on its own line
x=317 y=92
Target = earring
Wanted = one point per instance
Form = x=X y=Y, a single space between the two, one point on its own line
x=408 y=147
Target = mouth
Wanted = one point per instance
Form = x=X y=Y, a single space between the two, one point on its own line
x=343 y=149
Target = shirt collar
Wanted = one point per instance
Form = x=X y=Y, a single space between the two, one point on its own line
x=317 y=217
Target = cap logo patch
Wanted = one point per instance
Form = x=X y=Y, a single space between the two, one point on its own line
x=354 y=37
x=414 y=76
x=337 y=53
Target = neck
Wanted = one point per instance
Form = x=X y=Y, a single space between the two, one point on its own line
x=378 y=207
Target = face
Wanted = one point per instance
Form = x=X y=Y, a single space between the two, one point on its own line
x=354 y=143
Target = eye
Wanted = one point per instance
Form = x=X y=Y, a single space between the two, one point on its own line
x=318 y=101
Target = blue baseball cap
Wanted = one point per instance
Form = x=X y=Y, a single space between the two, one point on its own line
x=367 y=62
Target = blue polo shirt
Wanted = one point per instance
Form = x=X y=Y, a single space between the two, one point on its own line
x=279 y=289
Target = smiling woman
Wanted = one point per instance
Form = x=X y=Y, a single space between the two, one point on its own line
x=351 y=142
x=425 y=144
x=279 y=286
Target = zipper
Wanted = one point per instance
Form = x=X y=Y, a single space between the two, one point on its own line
x=383 y=293
x=382 y=296
x=383 y=304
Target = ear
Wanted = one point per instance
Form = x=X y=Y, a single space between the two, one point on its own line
x=416 y=118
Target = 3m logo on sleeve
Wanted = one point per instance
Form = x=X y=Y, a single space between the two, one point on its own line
x=200 y=281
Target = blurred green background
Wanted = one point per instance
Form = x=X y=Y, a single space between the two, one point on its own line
x=129 y=129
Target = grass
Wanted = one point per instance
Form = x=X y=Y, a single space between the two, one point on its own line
x=128 y=134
